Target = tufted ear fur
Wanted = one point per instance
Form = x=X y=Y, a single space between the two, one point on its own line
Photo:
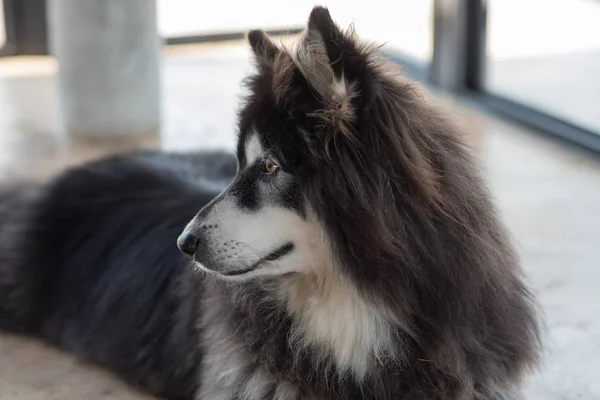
x=319 y=58
x=262 y=46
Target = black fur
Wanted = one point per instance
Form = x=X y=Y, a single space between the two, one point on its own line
x=89 y=262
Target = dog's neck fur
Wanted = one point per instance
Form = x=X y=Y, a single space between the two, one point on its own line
x=330 y=328
x=329 y=314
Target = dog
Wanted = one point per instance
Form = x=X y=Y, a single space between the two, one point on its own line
x=349 y=249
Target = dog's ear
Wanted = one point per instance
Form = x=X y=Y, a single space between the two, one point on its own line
x=315 y=52
x=322 y=26
x=320 y=59
x=262 y=46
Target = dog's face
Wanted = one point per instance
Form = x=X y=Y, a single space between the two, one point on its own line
x=259 y=225
x=296 y=131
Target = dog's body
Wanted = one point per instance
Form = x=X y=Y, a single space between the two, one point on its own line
x=349 y=252
x=89 y=263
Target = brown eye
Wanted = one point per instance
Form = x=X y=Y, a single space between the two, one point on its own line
x=270 y=167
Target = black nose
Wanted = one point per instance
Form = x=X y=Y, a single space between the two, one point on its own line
x=188 y=244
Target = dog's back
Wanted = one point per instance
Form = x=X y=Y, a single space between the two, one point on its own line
x=17 y=282
x=89 y=263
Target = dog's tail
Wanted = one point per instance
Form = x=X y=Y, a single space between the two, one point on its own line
x=18 y=279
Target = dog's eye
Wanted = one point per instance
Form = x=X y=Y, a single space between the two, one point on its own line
x=270 y=167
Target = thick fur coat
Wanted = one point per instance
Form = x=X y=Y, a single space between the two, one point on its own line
x=349 y=250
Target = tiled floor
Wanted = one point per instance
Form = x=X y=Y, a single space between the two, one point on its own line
x=549 y=195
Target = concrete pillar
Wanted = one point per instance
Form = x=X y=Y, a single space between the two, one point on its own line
x=109 y=75
x=459 y=44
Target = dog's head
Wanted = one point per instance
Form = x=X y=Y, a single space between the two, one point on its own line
x=316 y=176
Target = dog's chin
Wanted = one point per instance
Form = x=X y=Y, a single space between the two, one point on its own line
x=268 y=265
x=263 y=270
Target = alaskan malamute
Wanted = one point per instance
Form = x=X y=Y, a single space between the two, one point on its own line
x=349 y=250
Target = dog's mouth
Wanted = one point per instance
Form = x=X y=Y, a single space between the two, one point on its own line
x=275 y=255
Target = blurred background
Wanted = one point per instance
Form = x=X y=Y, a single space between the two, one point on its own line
x=83 y=78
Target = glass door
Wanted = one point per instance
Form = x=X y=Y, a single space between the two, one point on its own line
x=545 y=54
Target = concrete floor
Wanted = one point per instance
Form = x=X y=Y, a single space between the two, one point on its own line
x=549 y=196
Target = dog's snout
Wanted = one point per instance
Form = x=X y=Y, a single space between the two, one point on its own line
x=187 y=243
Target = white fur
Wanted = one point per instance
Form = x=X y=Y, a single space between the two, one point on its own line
x=253 y=149
x=333 y=315
x=340 y=87
x=257 y=234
